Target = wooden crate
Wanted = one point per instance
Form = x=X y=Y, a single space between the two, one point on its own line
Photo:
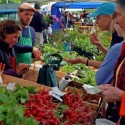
x=88 y=99
x=76 y=84
x=32 y=75
x=10 y=79
x=91 y=98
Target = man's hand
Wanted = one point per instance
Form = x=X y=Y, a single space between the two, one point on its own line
x=37 y=53
x=95 y=40
x=111 y=93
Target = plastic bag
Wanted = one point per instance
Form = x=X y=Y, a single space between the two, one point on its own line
x=102 y=121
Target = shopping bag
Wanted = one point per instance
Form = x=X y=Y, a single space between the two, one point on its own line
x=47 y=74
x=102 y=121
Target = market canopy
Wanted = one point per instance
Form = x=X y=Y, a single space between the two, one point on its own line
x=77 y=5
x=55 y=9
x=72 y=5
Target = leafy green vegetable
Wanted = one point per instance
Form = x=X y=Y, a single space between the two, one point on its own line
x=11 y=108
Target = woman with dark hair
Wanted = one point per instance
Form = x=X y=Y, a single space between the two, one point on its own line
x=9 y=34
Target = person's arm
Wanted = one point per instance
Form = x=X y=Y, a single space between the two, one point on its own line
x=95 y=64
x=102 y=48
x=25 y=48
x=105 y=72
x=19 y=68
x=22 y=48
x=62 y=22
x=88 y=62
x=10 y=72
x=95 y=40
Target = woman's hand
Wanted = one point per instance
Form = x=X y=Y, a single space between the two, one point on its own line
x=22 y=66
x=95 y=40
x=37 y=53
x=110 y=93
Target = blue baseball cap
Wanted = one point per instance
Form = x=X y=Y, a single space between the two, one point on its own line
x=107 y=8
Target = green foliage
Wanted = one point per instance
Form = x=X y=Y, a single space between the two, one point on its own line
x=60 y=109
x=10 y=1
x=87 y=75
x=81 y=40
x=47 y=18
x=11 y=108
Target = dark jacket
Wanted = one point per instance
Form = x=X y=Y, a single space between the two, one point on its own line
x=38 y=22
x=5 y=54
x=116 y=39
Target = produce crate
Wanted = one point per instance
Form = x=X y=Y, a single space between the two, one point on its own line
x=83 y=110
x=32 y=75
x=10 y=79
x=90 y=98
x=76 y=84
x=93 y=101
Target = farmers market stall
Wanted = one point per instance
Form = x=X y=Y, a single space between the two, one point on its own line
x=29 y=104
x=73 y=5
x=55 y=9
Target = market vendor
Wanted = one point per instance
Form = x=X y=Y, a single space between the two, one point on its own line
x=9 y=34
x=116 y=93
x=25 y=45
x=105 y=73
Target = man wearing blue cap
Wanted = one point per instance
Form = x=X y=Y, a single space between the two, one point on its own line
x=106 y=8
x=104 y=17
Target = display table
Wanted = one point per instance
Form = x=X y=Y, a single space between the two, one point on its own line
x=78 y=23
x=86 y=28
